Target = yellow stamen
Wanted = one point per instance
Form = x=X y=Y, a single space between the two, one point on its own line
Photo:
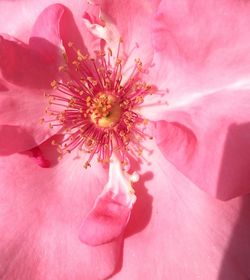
x=104 y=110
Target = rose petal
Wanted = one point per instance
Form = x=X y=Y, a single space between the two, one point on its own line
x=16 y=139
x=47 y=30
x=199 y=49
x=130 y=26
x=24 y=13
x=111 y=211
x=190 y=235
x=20 y=65
x=31 y=68
x=41 y=212
x=208 y=140
x=37 y=154
x=60 y=32
x=20 y=114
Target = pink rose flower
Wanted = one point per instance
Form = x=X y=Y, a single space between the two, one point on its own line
x=152 y=98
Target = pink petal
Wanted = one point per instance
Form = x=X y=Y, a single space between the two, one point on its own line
x=208 y=141
x=20 y=113
x=31 y=68
x=17 y=139
x=41 y=212
x=111 y=211
x=189 y=234
x=59 y=32
x=23 y=66
x=132 y=25
x=199 y=49
x=46 y=32
x=19 y=21
x=23 y=14
x=37 y=155
x=26 y=73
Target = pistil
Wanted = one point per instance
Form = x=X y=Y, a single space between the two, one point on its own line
x=104 y=110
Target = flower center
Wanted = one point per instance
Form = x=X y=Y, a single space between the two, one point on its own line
x=104 y=109
x=96 y=108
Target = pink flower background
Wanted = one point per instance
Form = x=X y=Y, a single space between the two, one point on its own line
x=191 y=218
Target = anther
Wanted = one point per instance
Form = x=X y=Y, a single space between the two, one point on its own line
x=96 y=109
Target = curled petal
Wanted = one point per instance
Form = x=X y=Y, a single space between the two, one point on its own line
x=131 y=26
x=47 y=30
x=111 y=211
x=208 y=141
x=24 y=12
x=27 y=71
x=62 y=31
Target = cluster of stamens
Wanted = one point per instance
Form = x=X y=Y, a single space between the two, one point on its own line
x=96 y=109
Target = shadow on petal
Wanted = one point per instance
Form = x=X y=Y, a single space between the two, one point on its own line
x=236 y=261
x=25 y=67
x=50 y=151
x=234 y=176
x=234 y=180
x=142 y=209
x=14 y=139
x=141 y=212
x=3 y=87
x=119 y=261
x=45 y=155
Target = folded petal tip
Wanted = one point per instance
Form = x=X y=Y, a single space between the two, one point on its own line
x=109 y=216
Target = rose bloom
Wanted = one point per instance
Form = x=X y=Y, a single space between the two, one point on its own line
x=125 y=140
